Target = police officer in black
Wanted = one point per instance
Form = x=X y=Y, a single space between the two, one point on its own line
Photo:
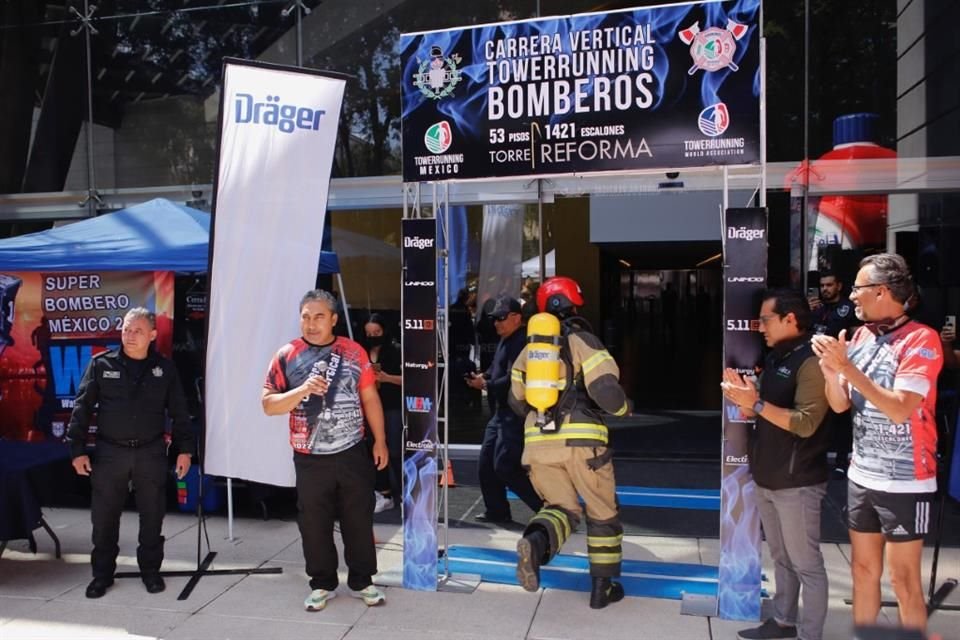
x=499 y=464
x=131 y=389
x=833 y=312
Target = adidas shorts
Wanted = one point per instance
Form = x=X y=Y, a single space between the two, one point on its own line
x=900 y=517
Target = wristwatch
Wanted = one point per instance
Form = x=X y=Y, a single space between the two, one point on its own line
x=758 y=406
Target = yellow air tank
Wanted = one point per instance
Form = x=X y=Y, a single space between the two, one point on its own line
x=543 y=365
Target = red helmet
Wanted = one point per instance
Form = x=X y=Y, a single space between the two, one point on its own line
x=559 y=295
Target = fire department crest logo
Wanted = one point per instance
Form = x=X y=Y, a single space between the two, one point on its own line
x=713 y=49
x=157 y=372
x=437 y=76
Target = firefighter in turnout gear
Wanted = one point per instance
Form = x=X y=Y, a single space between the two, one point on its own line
x=566 y=446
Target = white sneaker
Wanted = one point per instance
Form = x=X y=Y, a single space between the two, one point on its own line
x=371 y=596
x=383 y=503
x=318 y=599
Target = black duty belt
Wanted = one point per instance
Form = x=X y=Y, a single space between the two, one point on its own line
x=133 y=443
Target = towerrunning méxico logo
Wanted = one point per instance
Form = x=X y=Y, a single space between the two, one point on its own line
x=285 y=117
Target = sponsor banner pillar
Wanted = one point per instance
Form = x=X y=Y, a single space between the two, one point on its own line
x=419 y=317
x=745 y=270
x=278 y=129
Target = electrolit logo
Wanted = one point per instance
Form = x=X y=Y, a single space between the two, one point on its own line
x=285 y=117
x=714 y=120
x=438 y=137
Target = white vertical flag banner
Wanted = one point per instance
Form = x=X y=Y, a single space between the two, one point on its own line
x=278 y=127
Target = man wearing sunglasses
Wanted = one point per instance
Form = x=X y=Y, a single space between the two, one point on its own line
x=502 y=448
x=887 y=376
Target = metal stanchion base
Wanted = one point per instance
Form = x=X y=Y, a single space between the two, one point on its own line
x=692 y=604
x=200 y=572
x=458 y=583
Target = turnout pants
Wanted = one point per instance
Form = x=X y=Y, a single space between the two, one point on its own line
x=559 y=475
x=335 y=487
x=113 y=468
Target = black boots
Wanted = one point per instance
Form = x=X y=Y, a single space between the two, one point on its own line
x=98 y=587
x=604 y=592
x=531 y=549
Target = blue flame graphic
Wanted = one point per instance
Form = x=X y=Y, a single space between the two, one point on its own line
x=739 y=578
x=420 y=521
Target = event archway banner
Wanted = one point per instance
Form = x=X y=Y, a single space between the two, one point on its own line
x=52 y=324
x=278 y=128
x=660 y=87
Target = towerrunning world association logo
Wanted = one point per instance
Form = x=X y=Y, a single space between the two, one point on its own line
x=714 y=120
x=438 y=137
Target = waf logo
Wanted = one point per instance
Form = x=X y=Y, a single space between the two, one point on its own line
x=713 y=49
x=714 y=120
x=438 y=137
x=418 y=404
x=437 y=76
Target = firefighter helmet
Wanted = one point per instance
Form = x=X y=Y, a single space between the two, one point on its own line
x=559 y=296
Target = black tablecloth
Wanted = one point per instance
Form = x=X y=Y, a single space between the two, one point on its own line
x=21 y=468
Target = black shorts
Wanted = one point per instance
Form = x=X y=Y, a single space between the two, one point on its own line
x=900 y=517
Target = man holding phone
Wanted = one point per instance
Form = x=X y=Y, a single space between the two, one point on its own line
x=948 y=335
x=502 y=448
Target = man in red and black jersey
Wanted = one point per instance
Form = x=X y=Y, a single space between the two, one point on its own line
x=329 y=389
x=887 y=376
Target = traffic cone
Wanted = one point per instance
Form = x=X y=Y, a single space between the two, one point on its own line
x=447 y=477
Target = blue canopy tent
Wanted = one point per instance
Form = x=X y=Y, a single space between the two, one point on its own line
x=158 y=235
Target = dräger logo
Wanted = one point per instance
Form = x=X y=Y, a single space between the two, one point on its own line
x=423 y=445
x=286 y=117
x=744 y=459
x=743 y=233
x=745 y=279
x=416 y=242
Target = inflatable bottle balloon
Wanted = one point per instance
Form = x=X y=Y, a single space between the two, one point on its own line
x=852 y=221
x=543 y=366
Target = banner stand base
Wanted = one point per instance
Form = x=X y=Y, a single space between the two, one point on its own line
x=693 y=604
x=459 y=583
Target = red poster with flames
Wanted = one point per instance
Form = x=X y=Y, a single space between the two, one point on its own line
x=52 y=324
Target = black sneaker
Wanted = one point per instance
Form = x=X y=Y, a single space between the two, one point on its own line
x=493 y=519
x=769 y=629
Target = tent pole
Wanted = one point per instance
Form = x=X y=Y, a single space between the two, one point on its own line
x=230 y=509
x=343 y=299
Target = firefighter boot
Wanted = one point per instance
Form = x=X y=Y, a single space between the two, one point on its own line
x=531 y=549
x=604 y=592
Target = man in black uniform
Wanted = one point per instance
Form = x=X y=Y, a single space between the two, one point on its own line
x=833 y=312
x=131 y=389
x=502 y=448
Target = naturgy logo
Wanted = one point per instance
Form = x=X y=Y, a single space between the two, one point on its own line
x=285 y=117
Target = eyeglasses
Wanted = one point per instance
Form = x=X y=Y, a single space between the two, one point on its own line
x=856 y=287
x=765 y=319
x=500 y=319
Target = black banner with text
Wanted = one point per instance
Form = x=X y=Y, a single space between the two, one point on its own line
x=647 y=88
x=745 y=275
x=419 y=321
